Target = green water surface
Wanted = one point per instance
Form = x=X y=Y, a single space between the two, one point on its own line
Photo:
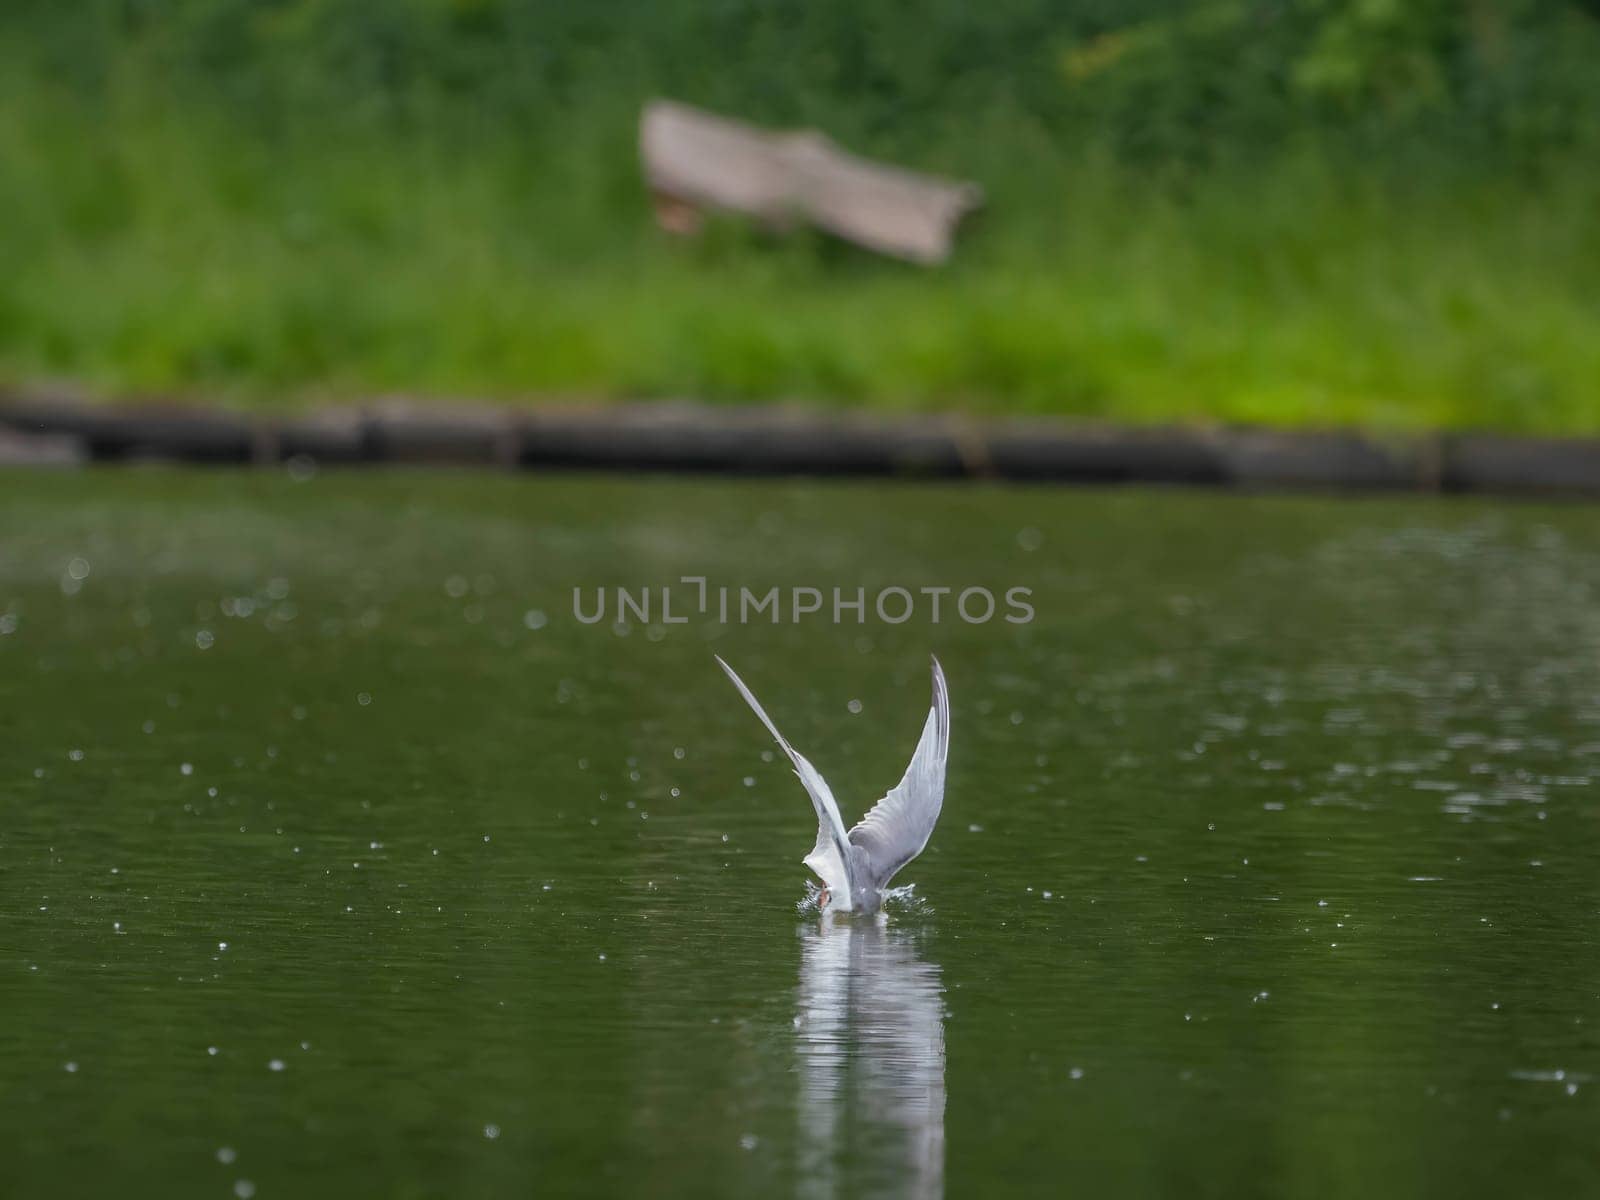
x=337 y=858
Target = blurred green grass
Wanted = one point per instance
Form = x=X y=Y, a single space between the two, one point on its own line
x=168 y=236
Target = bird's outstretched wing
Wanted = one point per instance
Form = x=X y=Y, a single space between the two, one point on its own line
x=830 y=858
x=899 y=825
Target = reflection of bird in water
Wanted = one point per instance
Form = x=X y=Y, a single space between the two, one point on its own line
x=855 y=867
x=870 y=1039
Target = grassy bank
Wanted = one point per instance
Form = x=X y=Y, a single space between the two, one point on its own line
x=168 y=237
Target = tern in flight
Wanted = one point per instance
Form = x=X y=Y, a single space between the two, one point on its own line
x=855 y=867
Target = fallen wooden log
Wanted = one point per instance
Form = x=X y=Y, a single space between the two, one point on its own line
x=694 y=161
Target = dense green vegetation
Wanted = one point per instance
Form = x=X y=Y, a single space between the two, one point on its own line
x=1323 y=211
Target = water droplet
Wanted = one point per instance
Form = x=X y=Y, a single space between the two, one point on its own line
x=205 y=639
x=226 y=1155
x=491 y=1131
x=275 y=1064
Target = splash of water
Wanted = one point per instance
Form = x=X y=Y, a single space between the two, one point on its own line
x=811 y=902
x=900 y=900
x=905 y=901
